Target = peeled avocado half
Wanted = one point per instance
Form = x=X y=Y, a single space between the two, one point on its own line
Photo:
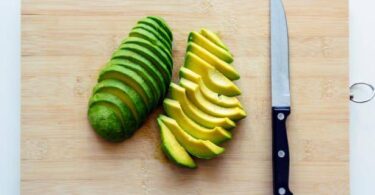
x=133 y=82
x=202 y=108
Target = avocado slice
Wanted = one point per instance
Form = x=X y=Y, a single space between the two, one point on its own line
x=127 y=95
x=174 y=151
x=128 y=55
x=223 y=67
x=150 y=81
x=151 y=30
x=178 y=93
x=216 y=98
x=157 y=27
x=199 y=148
x=195 y=95
x=214 y=79
x=216 y=135
x=132 y=79
x=148 y=54
x=164 y=24
x=213 y=37
x=210 y=46
x=156 y=50
x=144 y=34
x=98 y=117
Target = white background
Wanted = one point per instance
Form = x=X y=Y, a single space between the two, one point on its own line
x=362 y=117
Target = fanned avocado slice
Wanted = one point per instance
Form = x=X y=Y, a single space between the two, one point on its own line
x=144 y=43
x=157 y=27
x=162 y=23
x=128 y=55
x=148 y=54
x=174 y=151
x=216 y=135
x=127 y=95
x=150 y=29
x=214 y=38
x=144 y=34
x=122 y=111
x=196 y=147
x=132 y=79
x=150 y=81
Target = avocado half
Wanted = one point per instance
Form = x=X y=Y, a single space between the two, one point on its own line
x=202 y=108
x=134 y=81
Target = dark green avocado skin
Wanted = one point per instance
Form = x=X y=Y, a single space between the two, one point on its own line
x=141 y=71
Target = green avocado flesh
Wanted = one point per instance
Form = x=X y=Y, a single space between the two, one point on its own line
x=202 y=109
x=133 y=82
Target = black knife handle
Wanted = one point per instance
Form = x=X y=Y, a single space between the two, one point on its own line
x=280 y=151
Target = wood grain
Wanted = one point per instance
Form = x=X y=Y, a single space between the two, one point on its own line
x=66 y=42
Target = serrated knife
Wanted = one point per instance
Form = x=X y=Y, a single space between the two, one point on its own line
x=280 y=97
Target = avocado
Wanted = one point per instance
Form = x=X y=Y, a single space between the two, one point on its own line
x=150 y=81
x=195 y=95
x=148 y=54
x=156 y=50
x=213 y=37
x=174 y=151
x=132 y=79
x=216 y=135
x=153 y=31
x=214 y=79
x=144 y=34
x=98 y=118
x=127 y=95
x=157 y=27
x=164 y=24
x=199 y=148
x=210 y=46
x=178 y=93
x=223 y=67
x=216 y=98
x=128 y=55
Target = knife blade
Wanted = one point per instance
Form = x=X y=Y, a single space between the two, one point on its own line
x=280 y=97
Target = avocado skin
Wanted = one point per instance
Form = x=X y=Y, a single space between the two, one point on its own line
x=141 y=67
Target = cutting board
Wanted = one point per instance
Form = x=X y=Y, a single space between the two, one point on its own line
x=66 y=42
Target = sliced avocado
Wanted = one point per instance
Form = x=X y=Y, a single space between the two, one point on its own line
x=164 y=24
x=156 y=50
x=148 y=54
x=214 y=79
x=127 y=95
x=106 y=121
x=153 y=31
x=178 y=93
x=132 y=79
x=157 y=27
x=150 y=81
x=144 y=34
x=210 y=46
x=214 y=38
x=174 y=151
x=122 y=111
x=196 y=147
x=225 y=68
x=128 y=55
x=216 y=98
x=195 y=95
x=216 y=135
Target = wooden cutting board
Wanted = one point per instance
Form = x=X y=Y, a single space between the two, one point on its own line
x=66 y=42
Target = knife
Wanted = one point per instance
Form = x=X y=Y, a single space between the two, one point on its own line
x=280 y=98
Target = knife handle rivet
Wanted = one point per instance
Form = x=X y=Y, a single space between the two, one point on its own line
x=282 y=191
x=281 y=153
x=281 y=116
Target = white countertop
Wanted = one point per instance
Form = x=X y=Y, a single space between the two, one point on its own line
x=362 y=117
